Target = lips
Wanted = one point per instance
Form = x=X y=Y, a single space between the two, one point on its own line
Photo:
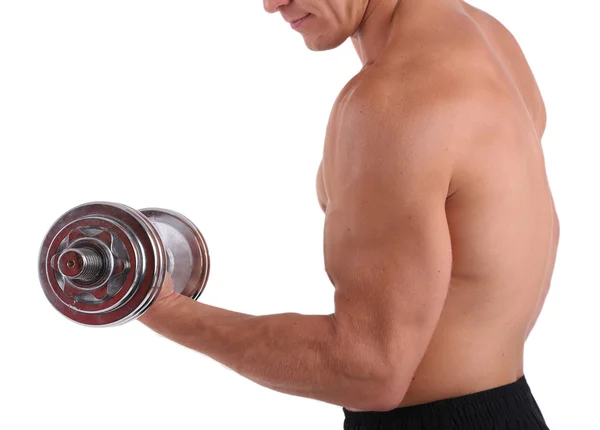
x=293 y=21
x=298 y=22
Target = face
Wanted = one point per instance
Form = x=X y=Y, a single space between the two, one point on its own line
x=324 y=24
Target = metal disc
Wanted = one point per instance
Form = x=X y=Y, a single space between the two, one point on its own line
x=102 y=264
x=188 y=261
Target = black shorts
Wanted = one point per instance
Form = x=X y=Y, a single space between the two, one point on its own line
x=508 y=407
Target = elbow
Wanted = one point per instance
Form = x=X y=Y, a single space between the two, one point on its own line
x=378 y=394
x=372 y=381
x=389 y=397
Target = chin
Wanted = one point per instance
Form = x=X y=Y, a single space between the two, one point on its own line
x=323 y=43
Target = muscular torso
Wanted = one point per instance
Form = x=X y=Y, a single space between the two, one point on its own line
x=504 y=232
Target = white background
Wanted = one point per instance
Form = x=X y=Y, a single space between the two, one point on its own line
x=217 y=110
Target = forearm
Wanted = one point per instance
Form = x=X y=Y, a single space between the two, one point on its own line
x=296 y=354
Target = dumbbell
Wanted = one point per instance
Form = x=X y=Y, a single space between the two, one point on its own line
x=103 y=264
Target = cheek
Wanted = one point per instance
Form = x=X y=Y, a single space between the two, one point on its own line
x=337 y=20
x=348 y=13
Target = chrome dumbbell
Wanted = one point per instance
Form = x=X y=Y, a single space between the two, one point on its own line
x=103 y=264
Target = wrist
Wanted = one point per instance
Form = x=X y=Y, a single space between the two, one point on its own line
x=162 y=306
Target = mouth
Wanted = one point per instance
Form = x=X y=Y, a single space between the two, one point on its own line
x=298 y=22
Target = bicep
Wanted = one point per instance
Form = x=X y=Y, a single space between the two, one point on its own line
x=387 y=245
x=391 y=273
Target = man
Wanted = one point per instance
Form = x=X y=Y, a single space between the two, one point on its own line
x=440 y=229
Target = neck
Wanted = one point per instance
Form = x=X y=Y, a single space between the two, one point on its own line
x=372 y=35
x=374 y=32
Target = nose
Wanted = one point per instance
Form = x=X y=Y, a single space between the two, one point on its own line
x=273 y=6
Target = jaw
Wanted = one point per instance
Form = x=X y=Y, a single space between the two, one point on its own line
x=322 y=37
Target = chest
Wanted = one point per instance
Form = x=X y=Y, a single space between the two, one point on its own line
x=321 y=194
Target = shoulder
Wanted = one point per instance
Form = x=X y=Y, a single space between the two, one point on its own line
x=418 y=112
x=406 y=98
x=411 y=117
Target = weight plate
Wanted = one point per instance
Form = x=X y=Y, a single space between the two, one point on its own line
x=125 y=282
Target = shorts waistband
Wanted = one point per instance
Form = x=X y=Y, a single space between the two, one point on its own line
x=509 y=401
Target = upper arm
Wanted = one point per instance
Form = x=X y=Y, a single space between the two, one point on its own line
x=387 y=246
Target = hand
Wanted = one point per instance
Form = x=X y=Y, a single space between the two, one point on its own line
x=167 y=292
x=166 y=297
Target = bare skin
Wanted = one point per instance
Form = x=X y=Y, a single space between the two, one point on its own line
x=440 y=228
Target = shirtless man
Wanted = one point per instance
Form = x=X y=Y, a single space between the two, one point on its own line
x=440 y=229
